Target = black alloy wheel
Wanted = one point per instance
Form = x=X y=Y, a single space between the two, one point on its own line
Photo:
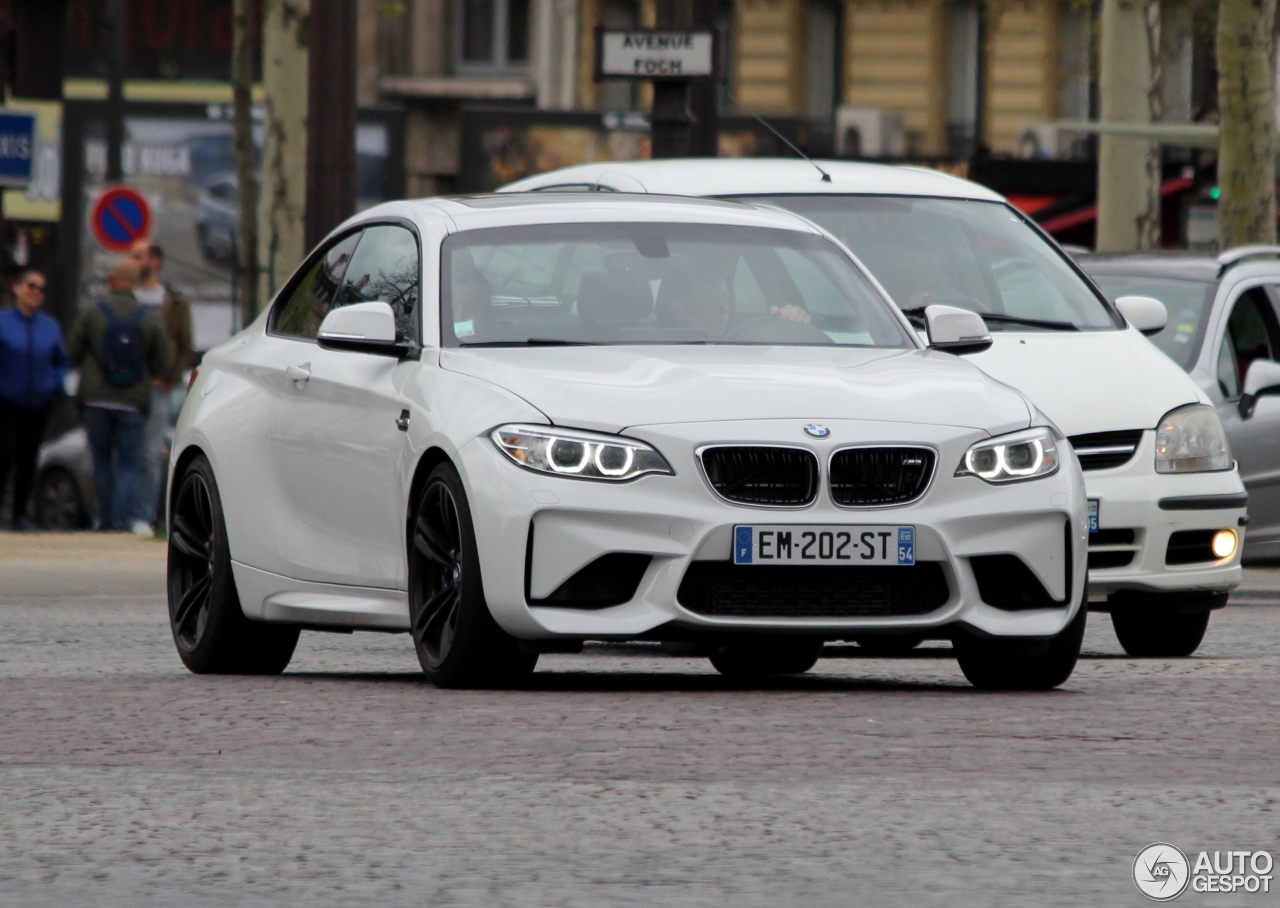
x=457 y=641
x=58 y=502
x=1007 y=663
x=1153 y=632
x=209 y=627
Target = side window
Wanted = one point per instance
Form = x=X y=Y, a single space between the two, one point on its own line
x=1251 y=334
x=314 y=295
x=385 y=269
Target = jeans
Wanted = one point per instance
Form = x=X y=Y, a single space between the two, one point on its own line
x=21 y=431
x=116 y=441
x=153 y=456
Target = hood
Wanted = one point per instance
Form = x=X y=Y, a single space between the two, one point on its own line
x=612 y=388
x=1090 y=381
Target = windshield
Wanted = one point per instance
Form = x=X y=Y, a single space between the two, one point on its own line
x=979 y=256
x=657 y=284
x=1188 y=303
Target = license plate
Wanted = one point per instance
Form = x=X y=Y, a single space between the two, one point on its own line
x=803 y=544
x=1093 y=515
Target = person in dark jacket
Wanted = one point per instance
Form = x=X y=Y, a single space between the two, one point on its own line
x=33 y=365
x=119 y=347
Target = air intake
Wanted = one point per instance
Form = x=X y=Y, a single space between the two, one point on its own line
x=870 y=477
x=772 y=477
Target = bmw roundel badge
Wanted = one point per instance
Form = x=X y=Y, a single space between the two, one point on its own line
x=814 y=430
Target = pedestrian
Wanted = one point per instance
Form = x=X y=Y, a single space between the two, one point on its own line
x=33 y=365
x=174 y=313
x=119 y=347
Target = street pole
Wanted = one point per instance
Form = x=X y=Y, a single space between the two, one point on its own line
x=117 y=11
x=1128 y=167
x=671 y=119
x=1246 y=104
x=246 y=290
x=331 y=118
x=704 y=95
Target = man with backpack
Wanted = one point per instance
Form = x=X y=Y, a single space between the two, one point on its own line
x=118 y=347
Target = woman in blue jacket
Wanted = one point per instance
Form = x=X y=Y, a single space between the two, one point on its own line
x=33 y=364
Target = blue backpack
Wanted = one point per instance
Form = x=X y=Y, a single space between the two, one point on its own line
x=123 y=362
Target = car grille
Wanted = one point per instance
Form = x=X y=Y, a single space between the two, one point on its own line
x=1104 y=450
x=762 y=475
x=880 y=476
x=1190 y=547
x=723 y=589
x=1112 y=548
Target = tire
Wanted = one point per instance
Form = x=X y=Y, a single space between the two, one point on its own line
x=457 y=641
x=757 y=657
x=1149 y=630
x=59 y=505
x=1004 y=664
x=209 y=627
x=889 y=645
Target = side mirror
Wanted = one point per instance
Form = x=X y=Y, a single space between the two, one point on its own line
x=1145 y=313
x=1263 y=378
x=956 y=330
x=362 y=328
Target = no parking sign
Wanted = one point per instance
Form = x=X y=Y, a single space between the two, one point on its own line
x=120 y=217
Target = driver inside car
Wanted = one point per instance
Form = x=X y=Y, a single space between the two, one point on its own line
x=693 y=299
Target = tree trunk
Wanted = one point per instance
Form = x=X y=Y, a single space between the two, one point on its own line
x=246 y=172
x=1246 y=102
x=1128 y=167
x=285 y=32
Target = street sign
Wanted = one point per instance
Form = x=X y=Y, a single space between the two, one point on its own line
x=120 y=217
x=17 y=148
x=661 y=54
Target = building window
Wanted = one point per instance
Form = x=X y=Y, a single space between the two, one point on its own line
x=492 y=35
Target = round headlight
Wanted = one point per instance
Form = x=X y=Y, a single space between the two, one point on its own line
x=569 y=456
x=1224 y=543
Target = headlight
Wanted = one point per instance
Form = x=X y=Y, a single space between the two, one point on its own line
x=1029 y=454
x=1192 y=440
x=580 y=455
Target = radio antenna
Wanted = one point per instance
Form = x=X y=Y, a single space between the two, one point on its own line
x=826 y=177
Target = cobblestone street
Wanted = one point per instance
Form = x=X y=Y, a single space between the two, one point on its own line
x=621 y=776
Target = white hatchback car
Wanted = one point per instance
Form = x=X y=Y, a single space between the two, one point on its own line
x=1167 y=502
x=507 y=424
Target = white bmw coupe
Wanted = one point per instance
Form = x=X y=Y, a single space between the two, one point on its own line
x=509 y=424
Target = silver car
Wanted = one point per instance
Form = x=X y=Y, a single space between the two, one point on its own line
x=1224 y=329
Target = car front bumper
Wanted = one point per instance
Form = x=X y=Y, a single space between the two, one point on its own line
x=534 y=531
x=1155 y=506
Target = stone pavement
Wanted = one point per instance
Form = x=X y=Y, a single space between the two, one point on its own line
x=619 y=777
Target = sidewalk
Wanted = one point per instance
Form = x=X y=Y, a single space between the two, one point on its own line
x=81 y=564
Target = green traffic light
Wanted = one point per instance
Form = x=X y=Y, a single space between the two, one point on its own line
x=1215 y=193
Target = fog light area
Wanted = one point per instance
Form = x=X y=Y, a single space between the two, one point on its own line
x=1224 y=543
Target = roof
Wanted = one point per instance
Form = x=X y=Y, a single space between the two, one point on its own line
x=763 y=176
x=477 y=212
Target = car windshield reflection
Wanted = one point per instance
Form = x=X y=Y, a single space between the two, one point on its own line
x=657 y=284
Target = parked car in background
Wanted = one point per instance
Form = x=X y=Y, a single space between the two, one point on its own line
x=64 y=497
x=1224 y=330
x=1168 y=504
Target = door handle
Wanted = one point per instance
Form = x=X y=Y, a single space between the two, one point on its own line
x=298 y=373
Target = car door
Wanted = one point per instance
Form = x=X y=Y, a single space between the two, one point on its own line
x=342 y=451
x=1251 y=332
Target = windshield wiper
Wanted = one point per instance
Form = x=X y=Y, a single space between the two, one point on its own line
x=530 y=342
x=918 y=313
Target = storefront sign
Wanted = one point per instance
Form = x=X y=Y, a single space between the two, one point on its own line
x=17 y=148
